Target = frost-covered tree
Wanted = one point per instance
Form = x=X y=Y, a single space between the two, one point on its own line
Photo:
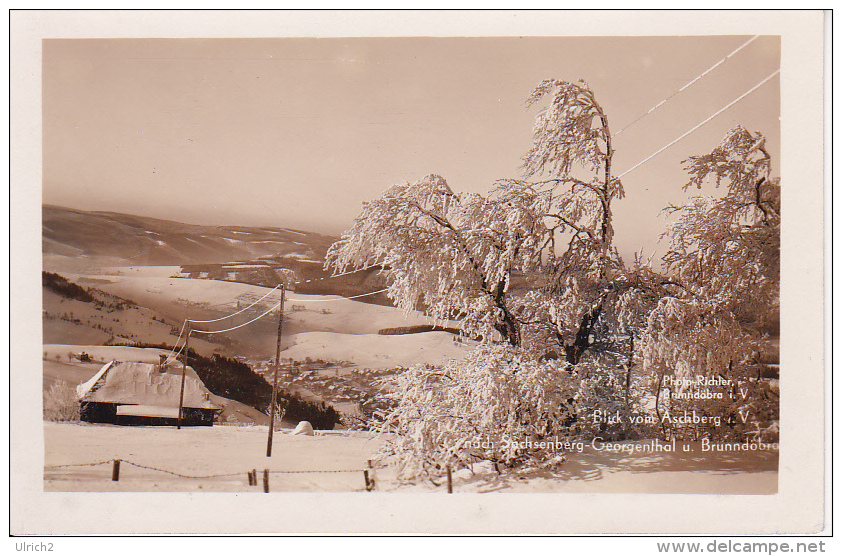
x=570 y=163
x=61 y=403
x=494 y=405
x=724 y=258
x=452 y=253
x=571 y=157
x=530 y=268
x=532 y=262
x=728 y=248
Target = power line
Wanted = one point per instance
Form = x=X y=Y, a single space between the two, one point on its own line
x=270 y=310
x=709 y=118
x=704 y=73
x=238 y=312
x=337 y=275
x=238 y=326
x=278 y=305
x=340 y=299
x=169 y=357
x=276 y=287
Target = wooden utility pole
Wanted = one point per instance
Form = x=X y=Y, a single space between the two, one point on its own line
x=183 y=372
x=275 y=376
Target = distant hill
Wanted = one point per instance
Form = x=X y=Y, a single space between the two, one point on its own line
x=139 y=240
x=75 y=240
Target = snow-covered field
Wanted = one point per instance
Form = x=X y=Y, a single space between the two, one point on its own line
x=179 y=456
x=153 y=287
x=200 y=451
x=104 y=354
x=327 y=327
x=375 y=351
x=335 y=461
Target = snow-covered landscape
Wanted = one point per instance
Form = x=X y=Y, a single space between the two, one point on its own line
x=405 y=267
x=218 y=459
x=335 y=461
x=645 y=379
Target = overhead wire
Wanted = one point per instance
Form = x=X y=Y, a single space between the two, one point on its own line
x=662 y=149
x=196 y=330
x=704 y=73
x=195 y=321
x=238 y=312
x=339 y=299
x=709 y=118
x=170 y=357
x=337 y=275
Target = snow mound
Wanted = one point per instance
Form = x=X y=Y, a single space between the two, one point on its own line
x=304 y=428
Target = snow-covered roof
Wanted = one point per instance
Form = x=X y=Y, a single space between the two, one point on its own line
x=145 y=384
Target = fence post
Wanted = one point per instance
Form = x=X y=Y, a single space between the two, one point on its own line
x=367 y=483
x=370 y=477
x=115 y=471
x=265 y=480
x=449 y=481
x=251 y=479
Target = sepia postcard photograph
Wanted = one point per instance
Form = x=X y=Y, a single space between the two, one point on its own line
x=418 y=272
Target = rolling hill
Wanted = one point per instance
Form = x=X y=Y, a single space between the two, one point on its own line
x=139 y=240
x=331 y=350
x=82 y=242
x=140 y=277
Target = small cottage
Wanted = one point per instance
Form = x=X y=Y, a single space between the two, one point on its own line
x=131 y=393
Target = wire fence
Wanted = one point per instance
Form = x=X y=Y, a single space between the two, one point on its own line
x=108 y=461
x=368 y=473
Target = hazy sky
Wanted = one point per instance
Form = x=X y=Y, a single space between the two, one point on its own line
x=299 y=132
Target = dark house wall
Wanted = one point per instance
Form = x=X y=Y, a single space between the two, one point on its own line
x=96 y=412
x=99 y=412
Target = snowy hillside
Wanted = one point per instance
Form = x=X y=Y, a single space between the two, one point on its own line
x=376 y=351
x=331 y=349
x=129 y=239
x=353 y=325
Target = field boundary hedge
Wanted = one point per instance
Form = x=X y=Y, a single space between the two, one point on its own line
x=417 y=329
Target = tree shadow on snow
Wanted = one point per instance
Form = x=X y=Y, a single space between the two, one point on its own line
x=586 y=465
x=592 y=465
